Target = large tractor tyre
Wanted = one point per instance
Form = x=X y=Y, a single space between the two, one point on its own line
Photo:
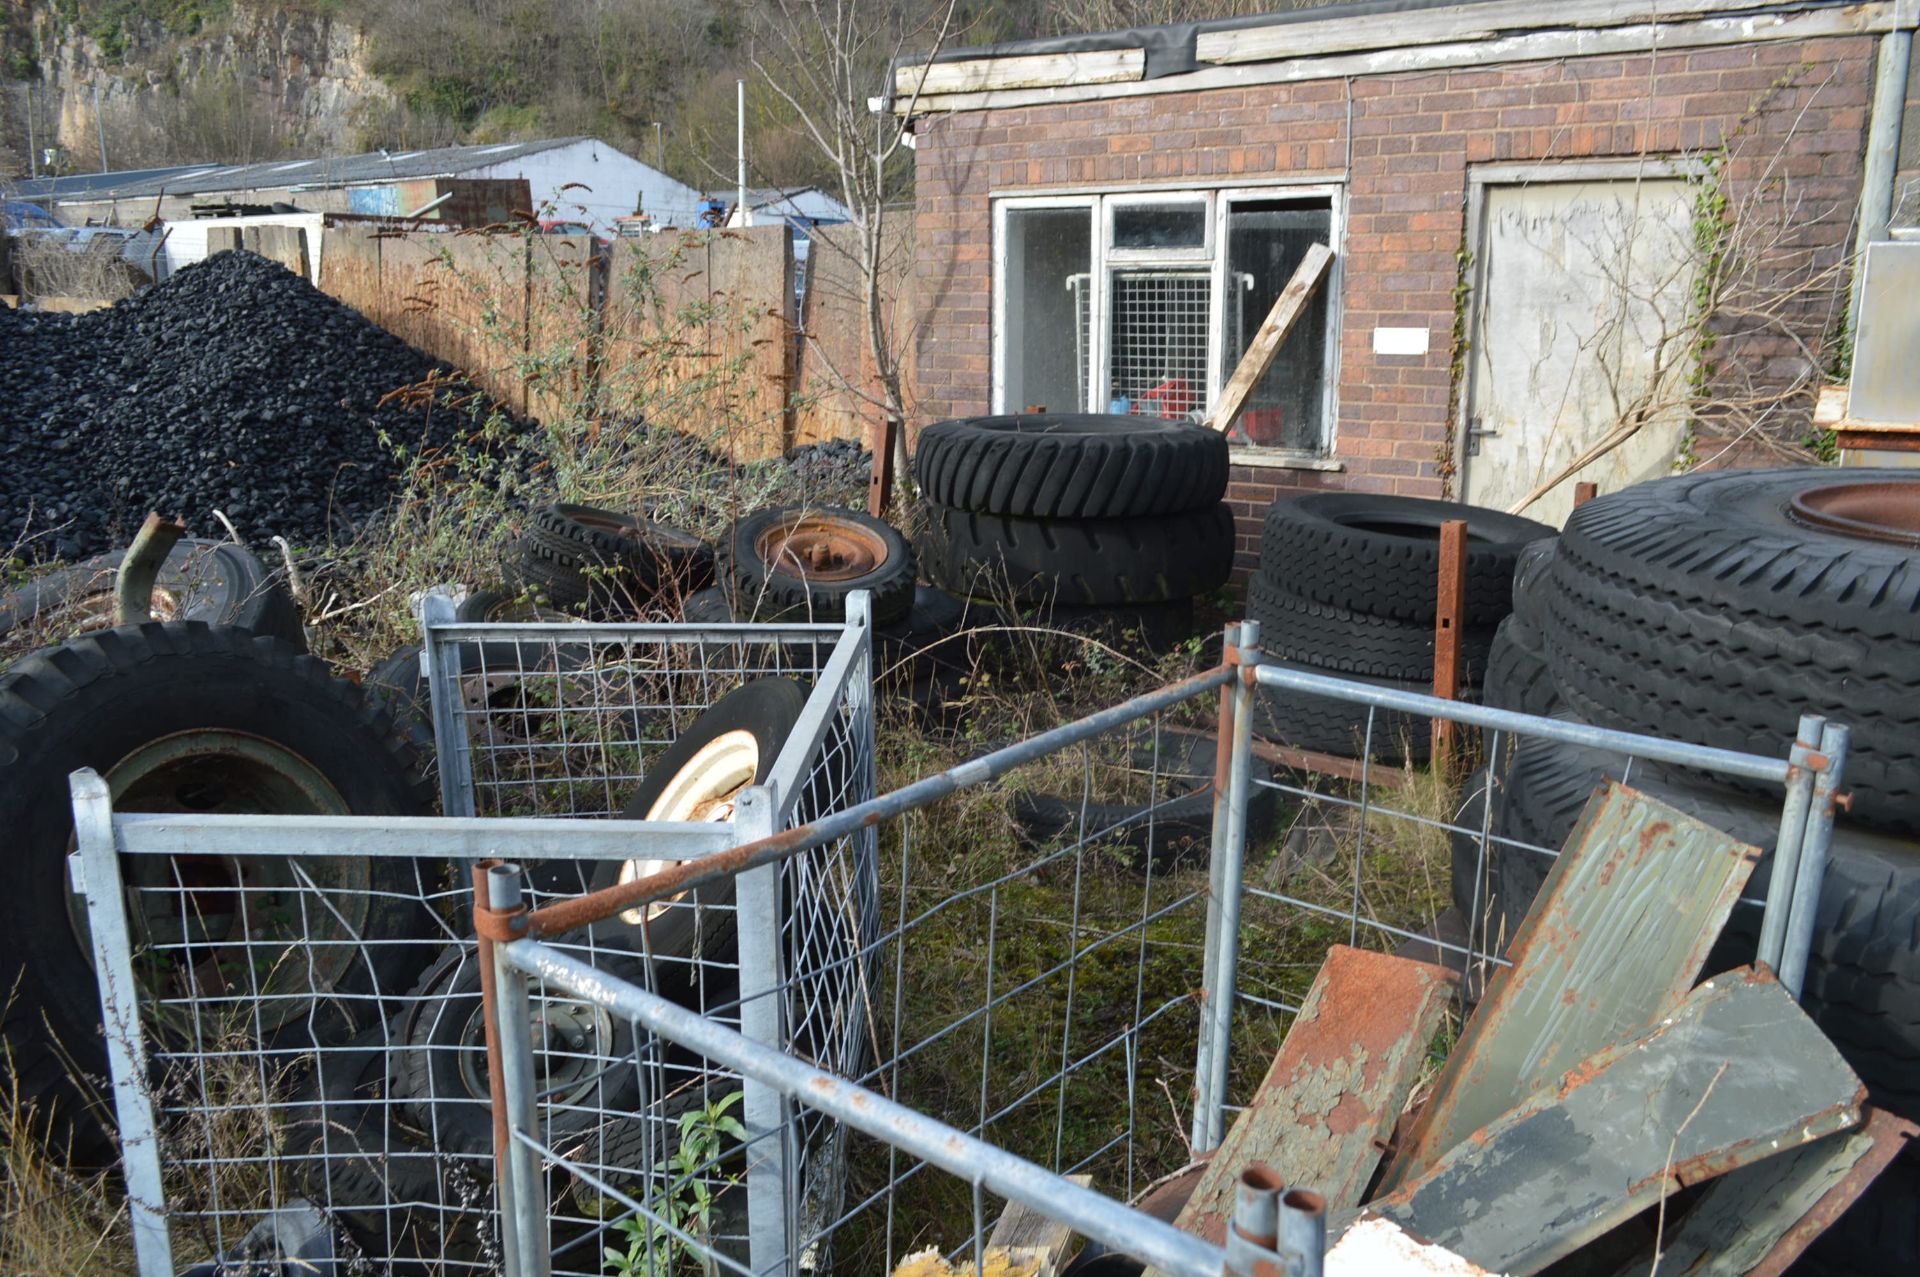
x=1381 y=554
x=1079 y=562
x=216 y=582
x=1328 y=637
x=604 y=563
x=1330 y=725
x=1530 y=571
x=186 y=717
x=801 y=563
x=730 y=747
x=1072 y=465
x=1720 y=607
x=1863 y=972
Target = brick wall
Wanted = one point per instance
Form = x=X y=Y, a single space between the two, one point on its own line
x=1792 y=114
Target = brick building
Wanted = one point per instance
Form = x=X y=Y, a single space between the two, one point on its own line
x=1530 y=205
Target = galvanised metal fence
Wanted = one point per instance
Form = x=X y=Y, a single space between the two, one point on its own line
x=1066 y=956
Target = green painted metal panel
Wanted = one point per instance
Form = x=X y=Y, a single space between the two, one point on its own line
x=1734 y=1074
x=1617 y=935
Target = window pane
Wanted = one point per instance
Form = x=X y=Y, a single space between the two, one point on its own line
x=1157 y=353
x=1265 y=242
x=1160 y=226
x=1049 y=257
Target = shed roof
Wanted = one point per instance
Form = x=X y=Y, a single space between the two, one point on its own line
x=1356 y=38
x=337 y=170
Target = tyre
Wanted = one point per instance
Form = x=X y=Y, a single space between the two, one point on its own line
x=1530 y=573
x=216 y=582
x=606 y=563
x=707 y=607
x=1518 y=676
x=1720 y=607
x=1085 y=562
x=731 y=746
x=1328 y=725
x=1381 y=554
x=497 y=606
x=183 y=716
x=801 y=562
x=1071 y=466
x=1863 y=973
x=349 y=1150
x=440 y=1068
x=1160 y=836
x=1335 y=640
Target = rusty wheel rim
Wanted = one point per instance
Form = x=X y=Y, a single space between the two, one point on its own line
x=1885 y=511
x=819 y=547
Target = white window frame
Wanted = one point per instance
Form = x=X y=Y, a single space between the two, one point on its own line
x=1218 y=202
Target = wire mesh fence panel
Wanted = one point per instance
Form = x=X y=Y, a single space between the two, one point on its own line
x=1158 y=342
x=309 y=999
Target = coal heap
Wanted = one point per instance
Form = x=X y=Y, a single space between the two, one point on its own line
x=234 y=385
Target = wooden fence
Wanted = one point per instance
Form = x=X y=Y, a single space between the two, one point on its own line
x=691 y=330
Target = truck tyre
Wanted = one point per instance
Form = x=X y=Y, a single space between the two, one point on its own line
x=1331 y=638
x=1381 y=554
x=1720 y=607
x=1071 y=465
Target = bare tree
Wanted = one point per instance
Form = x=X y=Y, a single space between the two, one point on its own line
x=829 y=56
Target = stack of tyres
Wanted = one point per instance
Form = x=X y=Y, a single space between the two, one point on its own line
x=1096 y=523
x=1349 y=586
x=1717 y=608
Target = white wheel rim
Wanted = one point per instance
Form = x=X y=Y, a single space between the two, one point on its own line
x=703 y=789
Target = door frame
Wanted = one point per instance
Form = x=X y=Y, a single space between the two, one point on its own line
x=1479 y=178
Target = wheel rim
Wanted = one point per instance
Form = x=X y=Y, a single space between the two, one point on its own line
x=240 y=929
x=1888 y=511
x=572 y=1041
x=821 y=548
x=704 y=789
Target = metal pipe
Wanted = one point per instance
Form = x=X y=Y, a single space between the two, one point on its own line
x=1832 y=765
x=510 y=1048
x=1254 y=1232
x=1726 y=761
x=788 y=774
x=740 y=146
x=1230 y=885
x=99 y=126
x=438 y=837
x=1085 y=1211
x=441 y=655
x=140 y=569
x=1204 y=1131
x=1883 y=151
x=765 y=1109
x=1303 y=1230
x=565 y=915
x=1786 y=847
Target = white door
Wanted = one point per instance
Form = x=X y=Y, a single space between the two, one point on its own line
x=1581 y=328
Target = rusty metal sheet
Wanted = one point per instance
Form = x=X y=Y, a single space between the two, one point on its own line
x=1760 y=1218
x=1734 y=1074
x=1334 y=1091
x=1617 y=935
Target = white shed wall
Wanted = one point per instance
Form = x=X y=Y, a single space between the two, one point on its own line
x=614 y=182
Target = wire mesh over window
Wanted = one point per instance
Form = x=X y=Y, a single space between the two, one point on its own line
x=1157 y=342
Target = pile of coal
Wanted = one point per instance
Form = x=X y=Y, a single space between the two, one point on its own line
x=235 y=385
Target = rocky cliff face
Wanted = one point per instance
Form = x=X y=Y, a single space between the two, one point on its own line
x=256 y=82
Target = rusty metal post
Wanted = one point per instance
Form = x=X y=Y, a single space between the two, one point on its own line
x=1448 y=620
x=140 y=569
x=1232 y=777
x=1584 y=492
x=886 y=438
